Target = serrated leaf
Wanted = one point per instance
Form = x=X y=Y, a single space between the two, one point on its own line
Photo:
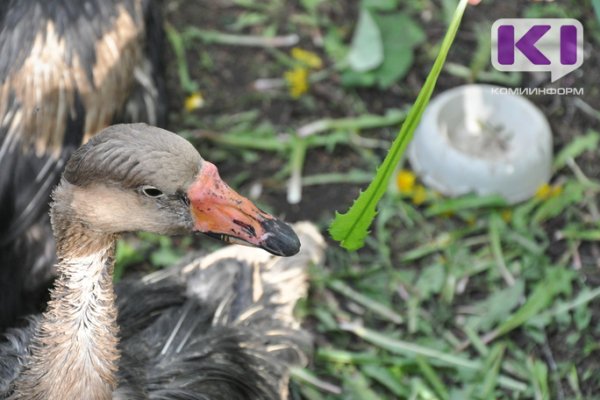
x=351 y=228
x=366 y=51
x=357 y=219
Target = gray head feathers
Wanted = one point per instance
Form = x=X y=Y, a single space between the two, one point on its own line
x=131 y=155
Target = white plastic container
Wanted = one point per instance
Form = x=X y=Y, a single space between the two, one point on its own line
x=479 y=138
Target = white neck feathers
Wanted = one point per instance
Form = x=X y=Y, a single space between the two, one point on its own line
x=74 y=352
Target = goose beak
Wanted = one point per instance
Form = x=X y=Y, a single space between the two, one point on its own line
x=220 y=212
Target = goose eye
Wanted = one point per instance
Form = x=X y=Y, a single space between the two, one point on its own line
x=151 y=191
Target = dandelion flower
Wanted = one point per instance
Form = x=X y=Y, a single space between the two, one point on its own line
x=506 y=215
x=297 y=79
x=307 y=58
x=543 y=192
x=547 y=191
x=419 y=195
x=405 y=181
x=193 y=102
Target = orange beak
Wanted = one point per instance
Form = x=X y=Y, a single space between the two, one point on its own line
x=222 y=213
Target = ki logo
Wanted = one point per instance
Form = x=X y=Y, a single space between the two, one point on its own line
x=554 y=45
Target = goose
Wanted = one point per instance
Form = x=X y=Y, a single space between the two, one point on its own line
x=68 y=68
x=209 y=329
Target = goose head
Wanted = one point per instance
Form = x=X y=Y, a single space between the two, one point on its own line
x=142 y=178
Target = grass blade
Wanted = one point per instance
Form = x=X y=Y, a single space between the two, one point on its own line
x=579 y=145
x=307 y=376
x=410 y=349
x=492 y=366
x=378 y=308
x=433 y=378
x=386 y=378
x=467 y=202
x=414 y=350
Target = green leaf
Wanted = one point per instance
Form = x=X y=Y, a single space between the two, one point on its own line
x=311 y=5
x=431 y=281
x=582 y=317
x=497 y=307
x=394 y=67
x=558 y=280
x=381 y=5
x=351 y=78
x=399 y=29
x=351 y=228
x=366 y=51
x=333 y=42
x=578 y=146
x=400 y=35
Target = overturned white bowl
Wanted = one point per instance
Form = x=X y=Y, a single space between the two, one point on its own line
x=482 y=139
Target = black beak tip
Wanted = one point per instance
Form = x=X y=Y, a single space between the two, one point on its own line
x=282 y=240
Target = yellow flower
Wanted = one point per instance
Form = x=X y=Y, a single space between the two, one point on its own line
x=506 y=215
x=306 y=57
x=405 y=180
x=543 y=192
x=546 y=191
x=419 y=195
x=193 y=102
x=297 y=79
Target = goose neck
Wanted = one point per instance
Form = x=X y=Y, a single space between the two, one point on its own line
x=74 y=352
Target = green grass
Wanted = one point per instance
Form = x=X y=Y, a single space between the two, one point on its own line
x=448 y=317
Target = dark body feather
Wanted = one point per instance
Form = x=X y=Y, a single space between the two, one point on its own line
x=68 y=68
x=216 y=328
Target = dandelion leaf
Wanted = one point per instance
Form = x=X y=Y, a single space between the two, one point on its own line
x=366 y=51
x=351 y=228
